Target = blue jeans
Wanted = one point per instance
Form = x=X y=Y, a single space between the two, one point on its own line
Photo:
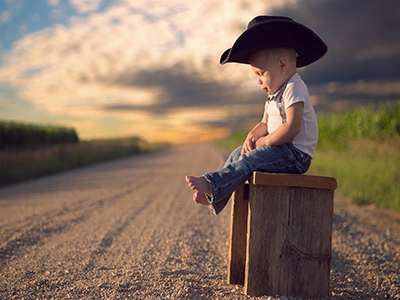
x=238 y=168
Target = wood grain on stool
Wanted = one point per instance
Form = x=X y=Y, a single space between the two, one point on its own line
x=287 y=244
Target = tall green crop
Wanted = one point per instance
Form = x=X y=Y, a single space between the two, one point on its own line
x=14 y=134
x=369 y=122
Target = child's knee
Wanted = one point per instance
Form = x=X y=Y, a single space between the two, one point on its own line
x=237 y=152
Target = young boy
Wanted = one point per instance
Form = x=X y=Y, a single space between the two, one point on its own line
x=285 y=139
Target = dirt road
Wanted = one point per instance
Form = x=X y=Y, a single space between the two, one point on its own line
x=128 y=229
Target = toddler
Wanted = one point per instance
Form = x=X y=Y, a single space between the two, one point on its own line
x=285 y=139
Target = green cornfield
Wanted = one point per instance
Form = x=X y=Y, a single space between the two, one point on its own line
x=19 y=135
x=377 y=123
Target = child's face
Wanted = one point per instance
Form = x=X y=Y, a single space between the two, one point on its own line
x=268 y=71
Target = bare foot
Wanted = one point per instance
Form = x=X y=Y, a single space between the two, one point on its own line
x=199 y=184
x=200 y=198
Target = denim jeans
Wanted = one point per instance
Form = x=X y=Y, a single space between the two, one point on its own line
x=238 y=168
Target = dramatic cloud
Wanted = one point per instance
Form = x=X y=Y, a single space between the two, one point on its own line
x=362 y=63
x=153 y=57
x=155 y=63
x=363 y=37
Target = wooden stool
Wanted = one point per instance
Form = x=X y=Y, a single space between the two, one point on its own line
x=281 y=238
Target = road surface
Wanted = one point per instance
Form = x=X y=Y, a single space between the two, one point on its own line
x=128 y=229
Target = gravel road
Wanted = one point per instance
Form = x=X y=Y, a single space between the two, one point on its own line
x=128 y=229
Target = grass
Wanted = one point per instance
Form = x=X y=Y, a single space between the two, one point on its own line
x=368 y=172
x=19 y=164
x=41 y=283
x=360 y=148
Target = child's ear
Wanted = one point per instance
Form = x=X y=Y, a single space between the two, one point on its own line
x=283 y=64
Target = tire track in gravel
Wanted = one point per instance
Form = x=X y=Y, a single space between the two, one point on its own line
x=109 y=237
x=32 y=229
x=28 y=223
x=49 y=224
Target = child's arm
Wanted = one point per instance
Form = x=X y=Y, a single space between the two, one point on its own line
x=287 y=131
x=260 y=130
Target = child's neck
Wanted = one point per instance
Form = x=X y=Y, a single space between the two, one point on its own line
x=287 y=76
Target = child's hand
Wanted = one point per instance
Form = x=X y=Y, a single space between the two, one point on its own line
x=261 y=142
x=249 y=144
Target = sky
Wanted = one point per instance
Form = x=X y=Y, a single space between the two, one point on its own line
x=150 y=68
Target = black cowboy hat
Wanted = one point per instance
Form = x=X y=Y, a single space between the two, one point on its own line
x=271 y=32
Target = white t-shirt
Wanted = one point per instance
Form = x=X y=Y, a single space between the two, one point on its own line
x=296 y=91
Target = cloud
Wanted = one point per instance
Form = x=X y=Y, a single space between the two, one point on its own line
x=5 y=16
x=134 y=63
x=85 y=6
x=12 y=8
x=53 y=2
x=154 y=59
x=58 y=9
x=362 y=37
x=111 y=56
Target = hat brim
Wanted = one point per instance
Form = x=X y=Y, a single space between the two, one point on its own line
x=273 y=34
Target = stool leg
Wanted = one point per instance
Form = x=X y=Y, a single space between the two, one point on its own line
x=237 y=250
